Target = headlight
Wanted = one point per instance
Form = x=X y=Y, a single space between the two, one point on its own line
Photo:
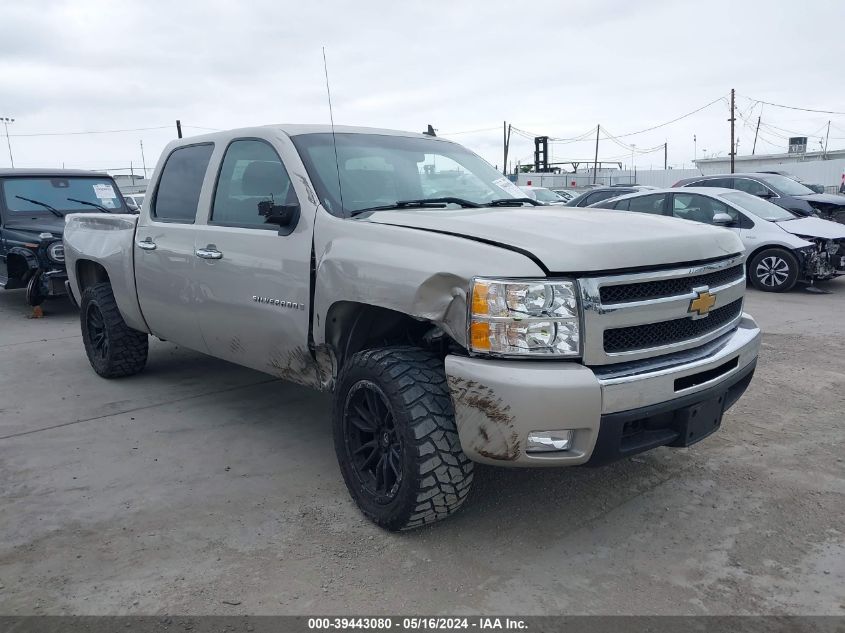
x=524 y=318
x=56 y=252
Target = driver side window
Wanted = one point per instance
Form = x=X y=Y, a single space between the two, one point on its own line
x=251 y=173
x=698 y=208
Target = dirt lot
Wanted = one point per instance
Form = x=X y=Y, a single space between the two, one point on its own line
x=199 y=487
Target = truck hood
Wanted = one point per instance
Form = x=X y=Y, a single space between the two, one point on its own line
x=52 y=224
x=814 y=227
x=576 y=240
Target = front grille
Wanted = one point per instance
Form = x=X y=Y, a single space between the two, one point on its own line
x=650 y=335
x=646 y=290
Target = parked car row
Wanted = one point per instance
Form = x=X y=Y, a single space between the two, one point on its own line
x=783 y=248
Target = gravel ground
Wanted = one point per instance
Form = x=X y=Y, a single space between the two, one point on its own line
x=199 y=487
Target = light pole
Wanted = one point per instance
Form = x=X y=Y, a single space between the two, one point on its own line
x=6 y=120
x=695 y=146
x=633 y=147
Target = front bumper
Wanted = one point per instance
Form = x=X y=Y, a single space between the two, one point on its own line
x=499 y=402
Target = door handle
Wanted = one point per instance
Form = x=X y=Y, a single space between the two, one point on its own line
x=209 y=252
x=147 y=244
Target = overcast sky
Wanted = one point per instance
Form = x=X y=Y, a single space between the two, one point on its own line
x=555 y=68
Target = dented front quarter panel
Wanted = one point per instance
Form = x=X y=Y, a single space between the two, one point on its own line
x=423 y=274
x=497 y=403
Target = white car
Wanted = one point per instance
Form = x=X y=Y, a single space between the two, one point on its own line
x=782 y=248
x=543 y=195
x=134 y=201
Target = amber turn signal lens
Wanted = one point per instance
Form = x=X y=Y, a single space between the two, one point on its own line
x=480 y=335
x=479 y=299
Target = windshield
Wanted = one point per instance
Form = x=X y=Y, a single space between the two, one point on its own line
x=56 y=192
x=786 y=185
x=378 y=170
x=545 y=195
x=757 y=206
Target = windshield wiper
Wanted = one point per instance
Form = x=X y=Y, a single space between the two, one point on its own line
x=43 y=204
x=90 y=204
x=432 y=203
x=512 y=202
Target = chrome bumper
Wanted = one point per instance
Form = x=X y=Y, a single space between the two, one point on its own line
x=499 y=402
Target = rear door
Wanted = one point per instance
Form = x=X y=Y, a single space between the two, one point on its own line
x=165 y=261
x=254 y=277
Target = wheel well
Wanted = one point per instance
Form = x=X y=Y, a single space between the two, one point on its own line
x=352 y=327
x=759 y=250
x=17 y=266
x=89 y=273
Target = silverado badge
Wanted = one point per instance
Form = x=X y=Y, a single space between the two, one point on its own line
x=702 y=304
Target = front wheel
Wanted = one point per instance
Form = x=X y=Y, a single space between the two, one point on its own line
x=395 y=438
x=34 y=292
x=773 y=270
x=113 y=348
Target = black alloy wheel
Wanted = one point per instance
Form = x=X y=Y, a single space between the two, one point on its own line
x=97 y=332
x=374 y=448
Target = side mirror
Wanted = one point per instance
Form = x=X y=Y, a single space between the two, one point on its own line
x=281 y=214
x=722 y=219
x=131 y=205
x=764 y=194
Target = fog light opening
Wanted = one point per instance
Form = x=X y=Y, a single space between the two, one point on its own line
x=549 y=441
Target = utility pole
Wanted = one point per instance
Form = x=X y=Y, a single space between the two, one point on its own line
x=633 y=147
x=695 y=148
x=756 y=131
x=596 y=161
x=178 y=128
x=665 y=155
x=732 y=120
x=506 y=136
x=143 y=160
x=6 y=120
x=827 y=136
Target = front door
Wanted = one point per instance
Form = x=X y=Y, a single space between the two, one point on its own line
x=165 y=260
x=254 y=277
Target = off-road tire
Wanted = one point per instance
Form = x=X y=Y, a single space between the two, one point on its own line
x=772 y=283
x=436 y=475
x=126 y=351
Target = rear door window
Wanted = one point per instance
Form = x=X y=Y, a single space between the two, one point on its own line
x=751 y=186
x=727 y=183
x=648 y=204
x=178 y=192
x=598 y=196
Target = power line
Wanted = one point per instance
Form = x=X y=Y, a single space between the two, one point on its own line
x=139 y=129
x=684 y=116
x=780 y=105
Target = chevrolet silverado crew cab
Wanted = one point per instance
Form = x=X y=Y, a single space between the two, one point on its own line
x=453 y=320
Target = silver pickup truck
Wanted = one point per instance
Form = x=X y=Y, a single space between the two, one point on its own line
x=454 y=320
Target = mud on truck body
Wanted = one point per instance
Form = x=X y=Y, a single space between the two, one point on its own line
x=453 y=320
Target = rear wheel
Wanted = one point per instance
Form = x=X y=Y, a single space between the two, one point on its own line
x=395 y=438
x=773 y=270
x=113 y=348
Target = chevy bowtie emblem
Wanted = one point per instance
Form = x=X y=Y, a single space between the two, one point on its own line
x=703 y=302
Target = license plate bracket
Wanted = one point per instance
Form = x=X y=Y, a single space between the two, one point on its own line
x=699 y=420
